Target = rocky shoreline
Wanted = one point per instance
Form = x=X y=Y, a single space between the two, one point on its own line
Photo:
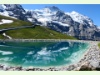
x=90 y=59
x=42 y=40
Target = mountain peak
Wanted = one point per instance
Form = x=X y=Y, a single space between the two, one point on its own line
x=2 y=7
x=13 y=5
x=74 y=12
x=52 y=8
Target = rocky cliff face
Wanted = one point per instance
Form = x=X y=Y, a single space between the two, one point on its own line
x=72 y=23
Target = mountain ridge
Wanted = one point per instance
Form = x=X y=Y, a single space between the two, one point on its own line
x=73 y=24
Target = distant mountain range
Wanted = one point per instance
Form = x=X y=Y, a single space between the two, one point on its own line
x=69 y=23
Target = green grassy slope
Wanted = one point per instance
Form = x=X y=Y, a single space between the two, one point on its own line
x=99 y=45
x=37 y=33
x=2 y=37
x=30 y=33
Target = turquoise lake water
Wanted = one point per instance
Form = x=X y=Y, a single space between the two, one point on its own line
x=41 y=54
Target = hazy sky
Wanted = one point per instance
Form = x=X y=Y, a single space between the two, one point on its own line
x=90 y=10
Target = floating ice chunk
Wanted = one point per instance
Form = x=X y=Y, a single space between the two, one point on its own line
x=61 y=49
x=44 y=52
x=29 y=53
x=6 y=52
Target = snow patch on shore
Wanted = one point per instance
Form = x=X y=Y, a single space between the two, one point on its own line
x=4 y=21
x=4 y=34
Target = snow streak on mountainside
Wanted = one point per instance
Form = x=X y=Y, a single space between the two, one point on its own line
x=71 y=23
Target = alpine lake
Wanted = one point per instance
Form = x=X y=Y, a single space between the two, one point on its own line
x=41 y=54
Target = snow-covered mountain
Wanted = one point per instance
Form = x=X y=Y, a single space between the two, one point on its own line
x=80 y=18
x=50 y=14
x=13 y=10
x=71 y=23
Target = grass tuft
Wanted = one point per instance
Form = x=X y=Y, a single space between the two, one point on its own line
x=99 y=45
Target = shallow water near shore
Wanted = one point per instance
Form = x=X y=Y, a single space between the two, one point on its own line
x=41 y=54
